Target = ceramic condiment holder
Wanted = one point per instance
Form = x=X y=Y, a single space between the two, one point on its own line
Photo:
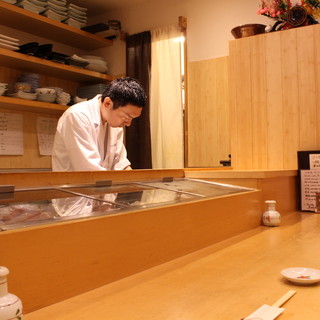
x=10 y=305
x=271 y=217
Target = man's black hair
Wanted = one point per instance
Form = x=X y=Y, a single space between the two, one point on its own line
x=125 y=91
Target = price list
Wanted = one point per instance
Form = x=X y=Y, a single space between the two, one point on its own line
x=310 y=186
x=11 y=134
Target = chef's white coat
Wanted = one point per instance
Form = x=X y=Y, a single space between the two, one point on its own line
x=79 y=142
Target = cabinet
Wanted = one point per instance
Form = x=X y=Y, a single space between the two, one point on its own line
x=12 y=64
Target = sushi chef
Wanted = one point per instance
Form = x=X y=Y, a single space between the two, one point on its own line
x=89 y=134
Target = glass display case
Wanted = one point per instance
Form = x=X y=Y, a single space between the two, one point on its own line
x=33 y=206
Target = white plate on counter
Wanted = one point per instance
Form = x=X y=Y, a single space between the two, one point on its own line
x=301 y=275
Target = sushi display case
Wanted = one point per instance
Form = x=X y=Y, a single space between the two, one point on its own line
x=23 y=207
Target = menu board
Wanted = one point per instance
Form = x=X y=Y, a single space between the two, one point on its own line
x=46 y=129
x=310 y=186
x=11 y=134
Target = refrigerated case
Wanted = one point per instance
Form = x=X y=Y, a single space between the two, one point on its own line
x=22 y=207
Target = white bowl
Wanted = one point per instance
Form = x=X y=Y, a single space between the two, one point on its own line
x=97 y=67
x=24 y=95
x=301 y=275
x=45 y=91
x=2 y=91
x=46 y=97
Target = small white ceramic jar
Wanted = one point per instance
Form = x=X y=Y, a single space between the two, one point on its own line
x=271 y=217
x=10 y=305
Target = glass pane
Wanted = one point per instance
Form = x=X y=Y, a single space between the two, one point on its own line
x=23 y=208
x=199 y=188
x=131 y=195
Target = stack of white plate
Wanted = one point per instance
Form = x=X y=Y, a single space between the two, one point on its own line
x=36 y=6
x=24 y=95
x=97 y=64
x=56 y=10
x=77 y=16
x=63 y=98
x=3 y=88
x=9 y=43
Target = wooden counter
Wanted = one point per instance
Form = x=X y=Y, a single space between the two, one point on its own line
x=52 y=263
x=225 y=281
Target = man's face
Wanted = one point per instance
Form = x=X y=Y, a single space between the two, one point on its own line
x=120 y=117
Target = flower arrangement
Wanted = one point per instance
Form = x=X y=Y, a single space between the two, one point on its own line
x=279 y=9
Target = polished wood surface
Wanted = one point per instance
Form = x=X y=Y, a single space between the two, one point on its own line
x=36 y=179
x=274 y=92
x=225 y=281
x=50 y=263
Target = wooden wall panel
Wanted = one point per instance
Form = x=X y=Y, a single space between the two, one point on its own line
x=259 y=103
x=290 y=98
x=208 y=112
x=280 y=99
x=316 y=34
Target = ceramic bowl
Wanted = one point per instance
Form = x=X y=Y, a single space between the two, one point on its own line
x=45 y=91
x=248 y=30
x=22 y=86
x=46 y=97
x=2 y=90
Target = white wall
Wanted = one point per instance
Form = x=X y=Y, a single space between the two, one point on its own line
x=209 y=24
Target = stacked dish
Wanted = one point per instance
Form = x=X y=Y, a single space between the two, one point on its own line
x=46 y=94
x=56 y=10
x=33 y=79
x=63 y=98
x=35 y=6
x=9 y=43
x=77 y=16
x=97 y=64
x=24 y=95
x=77 y=61
x=3 y=88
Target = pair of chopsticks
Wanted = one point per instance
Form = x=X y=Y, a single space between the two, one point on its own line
x=284 y=298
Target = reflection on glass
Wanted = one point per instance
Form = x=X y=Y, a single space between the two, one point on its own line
x=132 y=195
x=196 y=187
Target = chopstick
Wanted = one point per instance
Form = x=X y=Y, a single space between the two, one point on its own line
x=284 y=298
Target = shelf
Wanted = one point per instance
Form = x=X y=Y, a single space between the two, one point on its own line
x=21 y=19
x=31 y=105
x=28 y=63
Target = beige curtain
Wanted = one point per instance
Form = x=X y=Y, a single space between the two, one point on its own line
x=166 y=114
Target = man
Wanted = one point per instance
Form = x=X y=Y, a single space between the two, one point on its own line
x=89 y=134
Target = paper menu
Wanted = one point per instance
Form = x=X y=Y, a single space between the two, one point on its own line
x=11 y=134
x=314 y=161
x=310 y=186
x=46 y=129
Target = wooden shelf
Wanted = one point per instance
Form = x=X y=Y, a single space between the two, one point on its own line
x=33 y=64
x=21 y=19
x=31 y=105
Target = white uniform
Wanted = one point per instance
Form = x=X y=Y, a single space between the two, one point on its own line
x=79 y=142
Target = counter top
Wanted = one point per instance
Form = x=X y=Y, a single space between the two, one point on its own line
x=225 y=281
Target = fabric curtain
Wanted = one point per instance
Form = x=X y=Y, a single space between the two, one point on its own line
x=138 y=61
x=166 y=113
